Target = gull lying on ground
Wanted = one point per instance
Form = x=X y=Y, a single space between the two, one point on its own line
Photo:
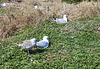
x=4 y=4
x=35 y=6
x=58 y=20
x=43 y=43
x=28 y=44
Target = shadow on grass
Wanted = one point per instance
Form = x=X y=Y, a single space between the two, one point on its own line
x=37 y=51
x=50 y=43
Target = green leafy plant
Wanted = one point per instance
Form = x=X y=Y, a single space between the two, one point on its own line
x=72 y=1
x=77 y=48
x=76 y=1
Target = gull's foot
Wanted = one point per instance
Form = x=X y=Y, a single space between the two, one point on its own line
x=29 y=53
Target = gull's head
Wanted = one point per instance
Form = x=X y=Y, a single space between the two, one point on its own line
x=33 y=40
x=65 y=16
x=45 y=38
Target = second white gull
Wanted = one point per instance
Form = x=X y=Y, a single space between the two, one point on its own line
x=43 y=43
x=59 y=20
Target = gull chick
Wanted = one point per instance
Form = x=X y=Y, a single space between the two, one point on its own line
x=28 y=44
x=59 y=20
x=43 y=43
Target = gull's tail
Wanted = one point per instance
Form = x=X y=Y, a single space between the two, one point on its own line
x=54 y=18
x=18 y=44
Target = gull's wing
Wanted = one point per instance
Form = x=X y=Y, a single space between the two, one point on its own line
x=26 y=44
x=60 y=20
x=42 y=44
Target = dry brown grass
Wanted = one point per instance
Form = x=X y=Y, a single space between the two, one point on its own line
x=26 y=14
x=12 y=22
x=76 y=11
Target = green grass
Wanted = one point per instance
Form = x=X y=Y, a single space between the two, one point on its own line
x=77 y=1
x=72 y=1
x=2 y=1
x=4 y=11
x=77 y=48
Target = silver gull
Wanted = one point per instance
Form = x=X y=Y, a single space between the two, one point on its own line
x=28 y=44
x=4 y=4
x=43 y=43
x=58 y=20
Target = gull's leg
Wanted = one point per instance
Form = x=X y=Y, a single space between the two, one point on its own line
x=29 y=53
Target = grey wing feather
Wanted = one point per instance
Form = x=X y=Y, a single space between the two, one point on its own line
x=42 y=44
x=26 y=44
x=23 y=42
x=61 y=21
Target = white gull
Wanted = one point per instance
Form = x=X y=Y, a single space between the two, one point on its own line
x=43 y=43
x=35 y=6
x=28 y=44
x=58 y=20
x=4 y=4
